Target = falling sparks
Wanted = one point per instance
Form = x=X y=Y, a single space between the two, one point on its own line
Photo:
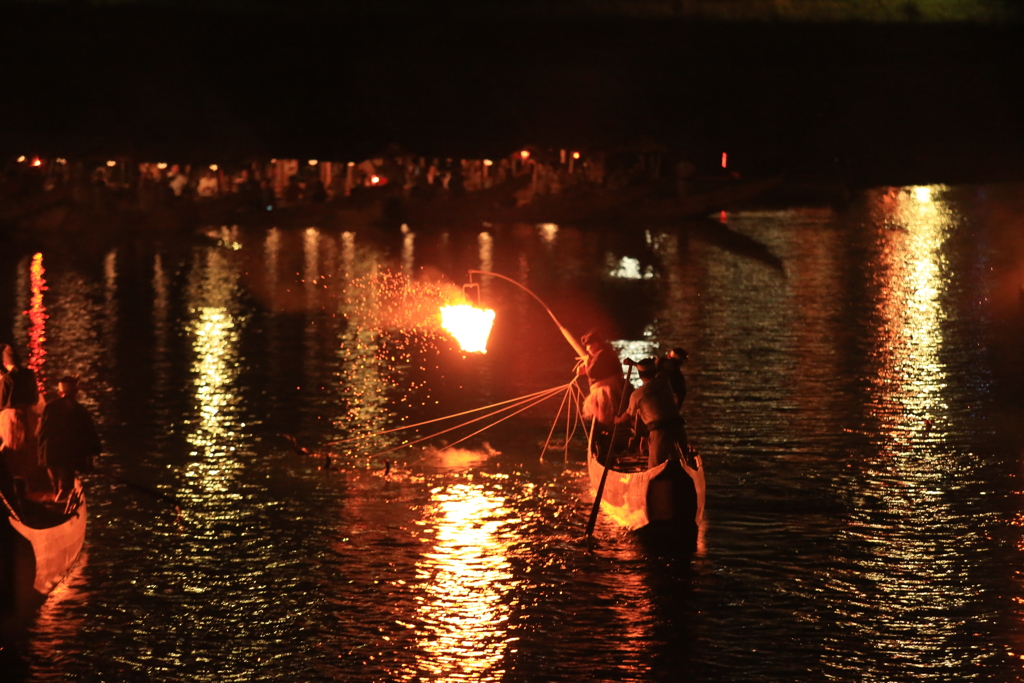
x=470 y=326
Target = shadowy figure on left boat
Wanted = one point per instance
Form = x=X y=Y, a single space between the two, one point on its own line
x=19 y=395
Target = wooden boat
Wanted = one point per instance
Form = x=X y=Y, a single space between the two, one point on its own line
x=670 y=494
x=39 y=545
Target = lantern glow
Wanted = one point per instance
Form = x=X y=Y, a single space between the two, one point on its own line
x=470 y=326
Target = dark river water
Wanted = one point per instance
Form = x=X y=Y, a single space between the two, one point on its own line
x=863 y=506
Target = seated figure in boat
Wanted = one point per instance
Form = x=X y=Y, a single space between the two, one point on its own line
x=68 y=442
x=653 y=410
x=604 y=371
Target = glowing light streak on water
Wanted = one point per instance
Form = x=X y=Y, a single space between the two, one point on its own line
x=37 y=316
x=311 y=275
x=903 y=517
x=110 y=301
x=486 y=243
x=348 y=250
x=214 y=329
x=271 y=256
x=466 y=576
x=408 y=250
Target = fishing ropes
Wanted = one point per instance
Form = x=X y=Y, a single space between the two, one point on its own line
x=499 y=412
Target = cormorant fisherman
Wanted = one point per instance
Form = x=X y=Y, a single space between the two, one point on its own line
x=68 y=442
x=604 y=371
x=654 y=411
x=18 y=398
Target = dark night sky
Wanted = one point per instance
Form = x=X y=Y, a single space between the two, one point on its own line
x=907 y=97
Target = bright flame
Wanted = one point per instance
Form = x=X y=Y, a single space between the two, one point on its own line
x=214 y=167
x=374 y=179
x=525 y=154
x=111 y=163
x=470 y=326
x=314 y=162
x=162 y=165
x=37 y=162
x=575 y=155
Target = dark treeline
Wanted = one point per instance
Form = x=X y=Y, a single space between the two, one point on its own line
x=879 y=103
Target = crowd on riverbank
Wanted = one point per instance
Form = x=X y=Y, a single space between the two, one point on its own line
x=286 y=182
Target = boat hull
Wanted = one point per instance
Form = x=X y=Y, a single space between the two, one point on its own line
x=33 y=561
x=671 y=493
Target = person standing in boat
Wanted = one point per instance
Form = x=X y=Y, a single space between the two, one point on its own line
x=68 y=441
x=18 y=398
x=653 y=409
x=671 y=366
x=604 y=372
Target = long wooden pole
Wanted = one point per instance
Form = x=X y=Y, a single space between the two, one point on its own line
x=608 y=460
x=565 y=333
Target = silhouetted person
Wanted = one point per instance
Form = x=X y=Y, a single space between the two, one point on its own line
x=654 y=407
x=18 y=397
x=68 y=442
x=604 y=370
x=671 y=367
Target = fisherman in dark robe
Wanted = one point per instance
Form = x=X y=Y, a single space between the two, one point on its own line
x=68 y=442
x=671 y=367
x=604 y=371
x=17 y=384
x=18 y=398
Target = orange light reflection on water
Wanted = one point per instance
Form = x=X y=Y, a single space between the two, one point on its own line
x=464 y=613
x=912 y=571
x=37 y=320
x=215 y=329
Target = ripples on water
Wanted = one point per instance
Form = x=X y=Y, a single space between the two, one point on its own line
x=862 y=519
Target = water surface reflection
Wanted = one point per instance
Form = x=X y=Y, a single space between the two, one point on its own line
x=859 y=515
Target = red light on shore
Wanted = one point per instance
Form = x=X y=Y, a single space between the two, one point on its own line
x=725 y=160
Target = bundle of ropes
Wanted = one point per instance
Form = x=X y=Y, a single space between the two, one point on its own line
x=494 y=415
